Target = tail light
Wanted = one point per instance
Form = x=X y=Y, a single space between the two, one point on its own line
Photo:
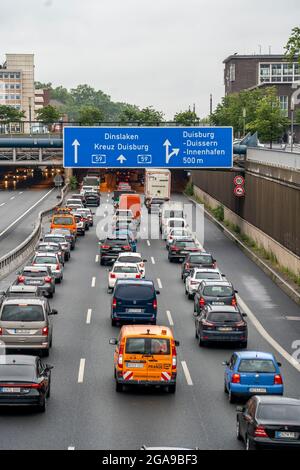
x=47 y=279
x=175 y=248
x=278 y=379
x=105 y=247
x=187 y=265
x=126 y=247
x=214 y=265
x=260 y=432
x=81 y=219
x=201 y=302
x=114 y=303
x=21 y=279
x=174 y=357
x=1 y=332
x=45 y=331
x=234 y=302
x=154 y=304
x=112 y=276
x=240 y=324
x=236 y=379
x=120 y=358
x=208 y=324
x=194 y=283
x=138 y=276
x=57 y=267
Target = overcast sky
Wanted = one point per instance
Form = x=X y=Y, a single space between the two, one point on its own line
x=165 y=53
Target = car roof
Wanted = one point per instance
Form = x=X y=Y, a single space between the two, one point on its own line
x=24 y=300
x=130 y=253
x=254 y=355
x=206 y=270
x=205 y=253
x=48 y=235
x=18 y=359
x=45 y=253
x=35 y=268
x=277 y=400
x=143 y=330
x=135 y=281
x=223 y=308
x=119 y=263
x=213 y=282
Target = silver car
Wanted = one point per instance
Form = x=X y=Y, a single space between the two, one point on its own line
x=61 y=240
x=25 y=324
x=51 y=260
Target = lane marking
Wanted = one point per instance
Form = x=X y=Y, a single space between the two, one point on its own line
x=159 y=283
x=26 y=212
x=97 y=259
x=93 y=281
x=3 y=204
x=71 y=448
x=11 y=198
x=81 y=371
x=21 y=192
x=148 y=243
x=187 y=373
x=152 y=260
x=89 y=316
x=293 y=318
x=170 y=317
x=267 y=336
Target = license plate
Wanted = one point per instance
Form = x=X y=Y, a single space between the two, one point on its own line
x=116 y=249
x=10 y=390
x=134 y=365
x=134 y=310
x=286 y=435
x=225 y=329
x=35 y=283
x=258 y=390
x=217 y=303
x=23 y=332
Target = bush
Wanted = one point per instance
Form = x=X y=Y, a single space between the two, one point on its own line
x=218 y=212
x=189 y=189
x=73 y=183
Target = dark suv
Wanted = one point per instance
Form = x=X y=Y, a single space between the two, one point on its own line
x=221 y=324
x=197 y=260
x=134 y=301
x=111 y=248
x=214 y=293
x=180 y=248
x=92 y=199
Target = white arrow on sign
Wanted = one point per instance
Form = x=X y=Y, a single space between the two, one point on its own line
x=121 y=159
x=168 y=144
x=76 y=144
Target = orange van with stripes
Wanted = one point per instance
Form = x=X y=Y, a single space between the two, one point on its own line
x=146 y=356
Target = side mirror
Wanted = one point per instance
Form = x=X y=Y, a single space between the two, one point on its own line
x=157 y=292
x=53 y=312
x=144 y=261
x=236 y=291
x=244 y=315
x=177 y=343
x=113 y=341
x=223 y=275
x=225 y=363
x=49 y=367
x=279 y=364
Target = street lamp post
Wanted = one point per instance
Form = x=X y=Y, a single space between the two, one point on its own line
x=294 y=100
x=244 y=121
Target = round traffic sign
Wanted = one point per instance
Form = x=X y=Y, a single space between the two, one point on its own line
x=239 y=191
x=239 y=180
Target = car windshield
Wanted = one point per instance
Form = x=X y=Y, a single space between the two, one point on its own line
x=45 y=260
x=130 y=259
x=63 y=221
x=125 y=269
x=135 y=292
x=257 y=365
x=54 y=239
x=205 y=275
x=201 y=259
x=218 y=291
x=281 y=413
x=22 y=313
x=224 y=317
x=170 y=214
x=155 y=346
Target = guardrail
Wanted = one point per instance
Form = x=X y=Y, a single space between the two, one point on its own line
x=278 y=158
x=17 y=256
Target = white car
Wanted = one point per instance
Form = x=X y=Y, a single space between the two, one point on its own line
x=88 y=189
x=122 y=271
x=133 y=258
x=50 y=260
x=178 y=234
x=200 y=274
x=172 y=223
x=170 y=210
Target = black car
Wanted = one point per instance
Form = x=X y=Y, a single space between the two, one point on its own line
x=38 y=276
x=197 y=260
x=24 y=381
x=92 y=199
x=180 y=248
x=269 y=422
x=111 y=248
x=221 y=324
x=214 y=293
x=134 y=301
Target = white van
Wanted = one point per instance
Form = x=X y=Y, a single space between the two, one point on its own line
x=170 y=210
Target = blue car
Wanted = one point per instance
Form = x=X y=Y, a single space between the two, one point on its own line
x=251 y=373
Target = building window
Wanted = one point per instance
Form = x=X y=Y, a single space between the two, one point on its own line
x=264 y=73
x=6 y=85
x=18 y=86
x=279 y=73
x=17 y=75
x=232 y=72
x=11 y=75
x=18 y=97
x=284 y=105
x=12 y=87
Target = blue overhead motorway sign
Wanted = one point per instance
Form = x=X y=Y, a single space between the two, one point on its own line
x=146 y=147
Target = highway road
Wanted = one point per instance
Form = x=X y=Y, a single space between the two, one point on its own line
x=85 y=412
x=19 y=210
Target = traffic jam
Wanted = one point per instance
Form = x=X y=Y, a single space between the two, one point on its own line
x=144 y=350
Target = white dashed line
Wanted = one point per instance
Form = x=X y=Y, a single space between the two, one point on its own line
x=159 y=283
x=187 y=373
x=3 y=204
x=148 y=243
x=93 y=281
x=170 y=317
x=71 y=448
x=267 y=336
x=89 y=316
x=97 y=259
x=21 y=192
x=293 y=318
x=81 y=371
x=152 y=260
x=13 y=197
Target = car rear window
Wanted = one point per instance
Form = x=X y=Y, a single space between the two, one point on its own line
x=45 y=260
x=201 y=259
x=206 y=275
x=125 y=269
x=35 y=273
x=257 y=365
x=45 y=247
x=155 y=346
x=55 y=239
x=219 y=291
x=224 y=317
x=176 y=223
x=169 y=214
x=116 y=241
x=281 y=413
x=63 y=220
x=135 y=292
x=22 y=313
x=186 y=244
x=130 y=259
x=17 y=372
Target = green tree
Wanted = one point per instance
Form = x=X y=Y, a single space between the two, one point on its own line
x=298 y=116
x=292 y=48
x=48 y=114
x=43 y=86
x=144 y=117
x=269 y=121
x=186 y=118
x=89 y=115
x=10 y=114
